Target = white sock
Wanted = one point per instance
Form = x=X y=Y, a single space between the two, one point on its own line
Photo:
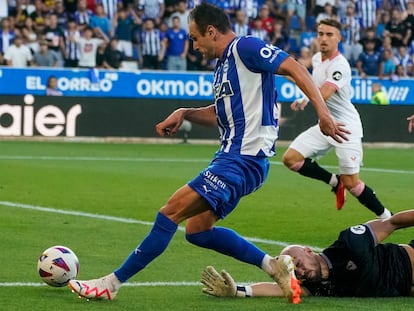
x=334 y=181
x=386 y=214
x=115 y=282
x=266 y=264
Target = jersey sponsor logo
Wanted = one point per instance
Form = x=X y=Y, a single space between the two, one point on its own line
x=350 y=266
x=206 y=190
x=360 y=229
x=269 y=51
x=213 y=181
x=337 y=75
x=223 y=89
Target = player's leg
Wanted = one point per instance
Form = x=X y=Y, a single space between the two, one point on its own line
x=312 y=143
x=350 y=158
x=183 y=204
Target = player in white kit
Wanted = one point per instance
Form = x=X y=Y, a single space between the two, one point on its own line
x=332 y=74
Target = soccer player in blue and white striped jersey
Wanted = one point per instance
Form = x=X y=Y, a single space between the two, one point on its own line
x=245 y=112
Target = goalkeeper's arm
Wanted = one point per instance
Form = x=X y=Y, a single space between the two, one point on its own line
x=222 y=285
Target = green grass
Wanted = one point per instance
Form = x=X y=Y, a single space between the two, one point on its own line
x=134 y=181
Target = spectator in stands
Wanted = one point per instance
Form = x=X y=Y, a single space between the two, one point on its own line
x=320 y=6
x=387 y=65
x=397 y=30
x=182 y=13
x=38 y=16
x=351 y=35
x=51 y=87
x=399 y=73
x=63 y=16
x=71 y=52
x=18 y=55
x=249 y=7
x=369 y=60
x=327 y=13
x=55 y=37
x=404 y=59
x=279 y=36
x=44 y=57
x=367 y=10
x=408 y=17
x=30 y=37
x=370 y=35
x=151 y=50
x=176 y=46
x=225 y=5
x=124 y=25
x=267 y=20
x=152 y=9
x=112 y=56
x=83 y=15
x=6 y=36
x=23 y=10
x=110 y=7
x=298 y=8
x=384 y=20
x=258 y=31
x=88 y=46
x=379 y=97
x=101 y=21
x=240 y=25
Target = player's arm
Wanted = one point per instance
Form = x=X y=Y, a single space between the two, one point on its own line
x=205 y=116
x=303 y=80
x=222 y=285
x=382 y=228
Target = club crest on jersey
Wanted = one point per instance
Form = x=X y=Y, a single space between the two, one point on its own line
x=223 y=89
x=360 y=229
x=337 y=75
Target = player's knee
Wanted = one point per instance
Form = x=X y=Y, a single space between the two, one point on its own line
x=199 y=239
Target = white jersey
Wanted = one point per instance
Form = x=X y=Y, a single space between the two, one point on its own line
x=88 y=48
x=337 y=72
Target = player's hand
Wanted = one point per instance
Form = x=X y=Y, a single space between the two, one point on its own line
x=336 y=130
x=410 y=124
x=171 y=124
x=299 y=104
x=218 y=284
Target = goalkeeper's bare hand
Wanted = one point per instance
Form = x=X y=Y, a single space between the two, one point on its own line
x=218 y=284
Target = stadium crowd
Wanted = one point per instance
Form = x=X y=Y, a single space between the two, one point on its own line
x=378 y=35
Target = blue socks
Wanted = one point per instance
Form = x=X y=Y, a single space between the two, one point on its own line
x=150 y=248
x=228 y=242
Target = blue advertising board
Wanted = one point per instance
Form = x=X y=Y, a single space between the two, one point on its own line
x=166 y=85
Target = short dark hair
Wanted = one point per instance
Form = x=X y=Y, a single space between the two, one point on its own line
x=207 y=14
x=331 y=22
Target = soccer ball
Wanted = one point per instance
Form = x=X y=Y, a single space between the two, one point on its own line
x=58 y=265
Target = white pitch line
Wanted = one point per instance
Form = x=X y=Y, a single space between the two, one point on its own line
x=130 y=284
x=121 y=219
x=171 y=160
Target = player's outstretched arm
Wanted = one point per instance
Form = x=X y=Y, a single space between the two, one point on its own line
x=222 y=285
x=302 y=78
x=205 y=116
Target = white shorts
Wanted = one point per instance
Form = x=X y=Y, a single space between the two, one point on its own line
x=125 y=47
x=313 y=144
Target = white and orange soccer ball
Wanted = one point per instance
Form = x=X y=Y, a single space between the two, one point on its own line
x=58 y=265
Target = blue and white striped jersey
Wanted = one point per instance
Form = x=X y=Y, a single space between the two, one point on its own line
x=245 y=96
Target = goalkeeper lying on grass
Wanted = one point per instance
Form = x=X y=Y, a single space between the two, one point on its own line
x=355 y=265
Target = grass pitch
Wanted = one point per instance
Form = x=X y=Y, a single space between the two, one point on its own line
x=100 y=200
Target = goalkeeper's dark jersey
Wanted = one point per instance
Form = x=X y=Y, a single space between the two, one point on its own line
x=360 y=267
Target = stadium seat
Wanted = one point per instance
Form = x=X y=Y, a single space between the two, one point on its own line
x=306 y=38
x=310 y=21
x=293 y=45
x=294 y=23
